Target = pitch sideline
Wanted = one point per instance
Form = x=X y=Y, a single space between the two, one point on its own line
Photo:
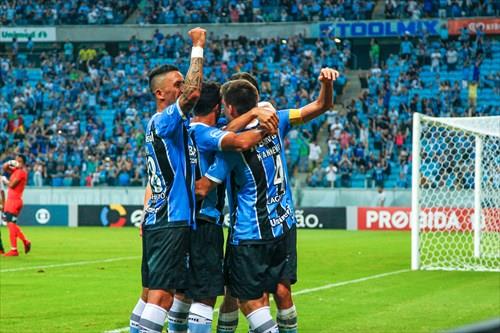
x=76 y=263
x=310 y=290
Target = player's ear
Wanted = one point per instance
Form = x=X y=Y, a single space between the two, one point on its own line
x=233 y=112
x=159 y=94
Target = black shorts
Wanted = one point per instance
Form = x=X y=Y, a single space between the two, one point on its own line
x=165 y=258
x=257 y=268
x=206 y=273
x=9 y=217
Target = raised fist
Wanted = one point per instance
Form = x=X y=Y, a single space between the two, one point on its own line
x=328 y=75
x=198 y=36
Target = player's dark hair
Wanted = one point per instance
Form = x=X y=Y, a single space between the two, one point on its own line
x=209 y=98
x=241 y=94
x=246 y=76
x=23 y=157
x=160 y=70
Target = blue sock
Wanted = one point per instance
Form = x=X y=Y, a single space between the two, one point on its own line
x=177 y=317
x=200 y=318
x=136 y=316
x=287 y=320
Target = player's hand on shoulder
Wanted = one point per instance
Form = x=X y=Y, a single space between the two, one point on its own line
x=268 y=119
x=198 y=36
x=328 y=75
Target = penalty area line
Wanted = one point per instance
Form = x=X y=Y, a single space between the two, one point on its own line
x=76 y=263
x=311 y=290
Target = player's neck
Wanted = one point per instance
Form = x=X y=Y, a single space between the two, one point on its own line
x=207 y=120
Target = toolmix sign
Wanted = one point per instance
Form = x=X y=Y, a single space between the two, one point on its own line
x=385 y=28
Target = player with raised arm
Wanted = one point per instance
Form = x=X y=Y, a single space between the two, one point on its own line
x=263 y=228
x=14 y=203
x=171 y=161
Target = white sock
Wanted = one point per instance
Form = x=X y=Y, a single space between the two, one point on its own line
x=136 y=316
x=287 y=320
x=152 y=319
x=261 y=321
x=178 y=317
x=200 y=318
x=228 y=322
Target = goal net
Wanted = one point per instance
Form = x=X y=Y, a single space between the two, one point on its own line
x=456 y=193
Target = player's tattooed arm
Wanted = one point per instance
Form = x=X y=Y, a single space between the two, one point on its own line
x=324 y=102
x=191 y=89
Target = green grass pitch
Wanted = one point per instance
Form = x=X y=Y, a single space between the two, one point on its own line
x=91 y=280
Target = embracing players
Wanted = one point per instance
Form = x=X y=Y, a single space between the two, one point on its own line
x=262 y=254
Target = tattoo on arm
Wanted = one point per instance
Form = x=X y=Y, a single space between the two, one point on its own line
x=192 y=85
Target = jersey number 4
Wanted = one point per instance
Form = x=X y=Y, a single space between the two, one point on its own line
x=279 y=174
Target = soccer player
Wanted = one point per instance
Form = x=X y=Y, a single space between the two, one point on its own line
x=2 y=200
x=171 y=160
x=262 y=251
x=14 y=203
x=207 y=241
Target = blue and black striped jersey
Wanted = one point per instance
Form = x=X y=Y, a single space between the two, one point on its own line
x=171 y=162
x=208 y=141
x=259 y=194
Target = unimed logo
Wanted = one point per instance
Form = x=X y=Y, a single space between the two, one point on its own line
x=399 y=218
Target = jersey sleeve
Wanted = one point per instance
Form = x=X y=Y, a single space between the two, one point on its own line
x=210 y=138
x=287 y=119
x=221 y=168
x=169 y=120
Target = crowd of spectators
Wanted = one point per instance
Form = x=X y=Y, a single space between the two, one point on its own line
x=369 y=145
x=440 y=8
x=29 y=12
x=235 y=11
x=80 y=116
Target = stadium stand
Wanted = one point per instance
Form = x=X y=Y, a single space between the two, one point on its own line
x=80 y=114
x=439 y=8
x=83 y=118
x=27 y=12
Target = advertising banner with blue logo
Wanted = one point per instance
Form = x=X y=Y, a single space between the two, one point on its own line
x=376 y=29
x=44 y=215
x=113 y=215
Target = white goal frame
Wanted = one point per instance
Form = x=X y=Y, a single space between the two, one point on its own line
x=474 y=126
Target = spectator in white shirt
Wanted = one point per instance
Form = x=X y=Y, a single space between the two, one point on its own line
x=331 y=174
x=314 y=153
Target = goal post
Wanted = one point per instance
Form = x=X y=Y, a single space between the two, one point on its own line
x=455 y=216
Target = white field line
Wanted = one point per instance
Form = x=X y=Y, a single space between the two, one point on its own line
x=76 y=263
x=310 y=290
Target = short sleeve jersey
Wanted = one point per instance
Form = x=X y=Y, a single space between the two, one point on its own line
x=208 y=141
x=259 y=194
x=171 y=162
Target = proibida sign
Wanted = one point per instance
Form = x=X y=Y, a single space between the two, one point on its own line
x=431 y=219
